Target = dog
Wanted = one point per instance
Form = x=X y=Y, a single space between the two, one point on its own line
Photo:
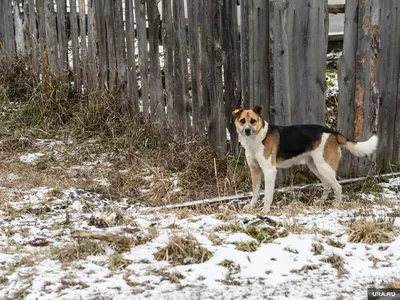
x=269 y=147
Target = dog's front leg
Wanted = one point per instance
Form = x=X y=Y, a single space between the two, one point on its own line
x=269 y=178
x=256 y=182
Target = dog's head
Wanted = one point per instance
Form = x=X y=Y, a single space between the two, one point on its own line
x=249 y=121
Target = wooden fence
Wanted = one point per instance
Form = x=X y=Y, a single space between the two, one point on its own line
x=191 y=73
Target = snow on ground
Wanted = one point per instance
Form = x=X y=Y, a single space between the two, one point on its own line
x=298 y=261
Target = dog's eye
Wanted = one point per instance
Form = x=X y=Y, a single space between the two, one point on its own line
x=242 y=121
x=252 y=121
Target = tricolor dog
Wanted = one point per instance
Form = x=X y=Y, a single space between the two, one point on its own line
x=269 y=147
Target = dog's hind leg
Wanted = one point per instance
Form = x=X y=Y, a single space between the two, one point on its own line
x=256 y=182
x=327 y=186
x=329 y=175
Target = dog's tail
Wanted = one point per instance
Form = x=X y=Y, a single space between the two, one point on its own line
x=358 y=148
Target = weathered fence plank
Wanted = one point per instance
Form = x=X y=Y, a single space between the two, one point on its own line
x=156 y=95
x=102 y=43
x=91 y=58
x=121 y=66
x=307 y=59
x=259 y=40
x=76 y=71
x=119 y=33
x=387 y=79
x=168 y=51
x=231 y=52
x=62 y=36
x=7 y=38
x=51 y=38
x=111 y=51
x=83 y=46
x=194 y=55
x=140 y=13
x=280 y=109
x=19 y=30
x=132 y=90
x=358 y=103
x=180 y=91
x=245 y=52
x=33 y=32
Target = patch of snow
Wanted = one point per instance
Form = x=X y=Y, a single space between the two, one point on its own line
x=31 y=157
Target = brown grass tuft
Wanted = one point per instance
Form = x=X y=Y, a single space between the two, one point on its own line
x=183 y=250
x=371 y=232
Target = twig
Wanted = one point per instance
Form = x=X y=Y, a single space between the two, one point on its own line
x=98 y=235
x=245 y=196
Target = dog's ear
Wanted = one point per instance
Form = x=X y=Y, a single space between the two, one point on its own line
x=258 y=110
x=237 y=112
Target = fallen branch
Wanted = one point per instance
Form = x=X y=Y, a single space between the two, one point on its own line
x=103 y=236
x=245 y=196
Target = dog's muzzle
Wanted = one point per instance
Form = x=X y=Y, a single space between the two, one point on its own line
x=247 y=131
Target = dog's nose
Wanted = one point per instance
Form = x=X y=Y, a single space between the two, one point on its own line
x=247 y=131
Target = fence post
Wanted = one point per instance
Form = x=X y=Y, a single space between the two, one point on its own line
x=156 y=95
x=7 y=38
x=359 y=94
x=140 y=13
x=180 y=91
x=231 y=52
x=133 y=96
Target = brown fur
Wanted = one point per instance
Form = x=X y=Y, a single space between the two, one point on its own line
x=271 y=146
x=332 y=152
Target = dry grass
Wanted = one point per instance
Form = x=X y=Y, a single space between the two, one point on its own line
x=247 y=246
x=183 y=249
x=336 y=262
x=371 y=232
x=117 y=262
x=393 y=284
x=77 y=251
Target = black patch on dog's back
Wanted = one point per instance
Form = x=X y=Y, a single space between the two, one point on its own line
x=297 y=139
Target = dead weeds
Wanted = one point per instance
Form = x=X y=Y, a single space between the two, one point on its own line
x=182 y=250
x=371 y=231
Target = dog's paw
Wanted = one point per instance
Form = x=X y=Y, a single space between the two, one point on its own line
x=266 y=209
x=248 y=207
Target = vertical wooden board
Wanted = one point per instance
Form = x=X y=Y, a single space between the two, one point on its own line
x=40 y=7
x=132 y=90
x=365 y=95
x=180 y=92
x=245 y=52
x=307 y=60
x=75 y=46
x=62 y=35
x=51 y=38
x=83 y=44
x=280 y=109
x=33 y=32
x=396 y=137
x=231 y=52
x=210 y=29
x=387 y=77
x=111 y=51
x=140 y=14
x=19 y=36
x=260 y=56
x=101 y=42
x=347 y=80
x=194 y=54
x=92 y=49
x=217 y=118
x=119 y=33
x=156 y=95
x=168 y=49
x=28 y=41
x=8 y=29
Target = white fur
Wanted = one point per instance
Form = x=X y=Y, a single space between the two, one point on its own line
x=363 y=148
